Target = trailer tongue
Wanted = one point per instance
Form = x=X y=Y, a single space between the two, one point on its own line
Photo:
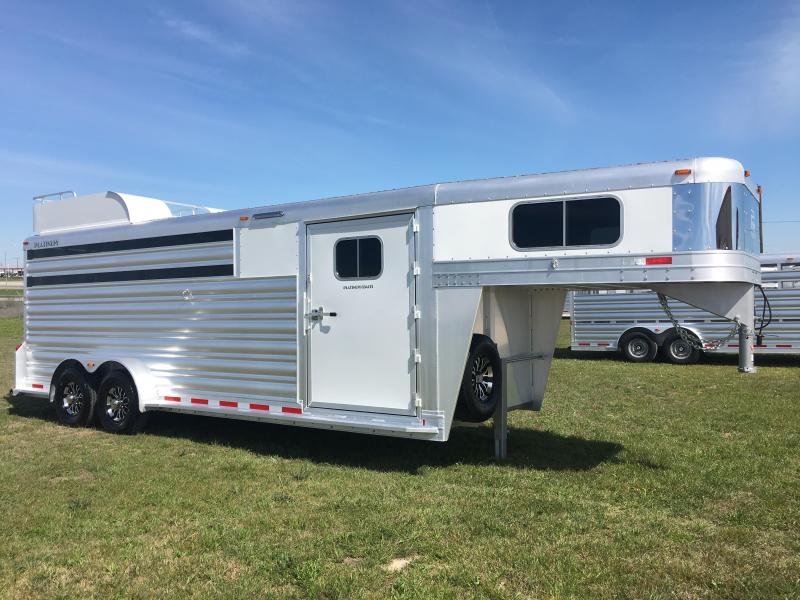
x=392 y=313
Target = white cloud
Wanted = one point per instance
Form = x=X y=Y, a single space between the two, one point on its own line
x=24 y=169
x=283 y=14
x=472 y=49
x=763 y=96
x=779 y=83
x=200 y=33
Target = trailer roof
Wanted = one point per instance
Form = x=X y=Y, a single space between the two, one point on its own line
x=643 y=175
x=579 y=181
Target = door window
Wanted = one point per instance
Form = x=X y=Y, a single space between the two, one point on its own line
x=358 y=258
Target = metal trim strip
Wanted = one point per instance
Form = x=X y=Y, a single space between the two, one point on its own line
x=136 y=275
x=181 y=239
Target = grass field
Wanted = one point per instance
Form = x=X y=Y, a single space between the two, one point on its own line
x=10 y=292
x=639 y=481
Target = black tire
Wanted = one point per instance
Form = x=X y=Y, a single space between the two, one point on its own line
x=482 y=383
x=679 y=352
x=117 y=406
x=74 y=397
x=638 y=347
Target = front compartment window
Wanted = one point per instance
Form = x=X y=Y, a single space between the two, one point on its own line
x=566 y=223
x=538 y=225
x=592 y=222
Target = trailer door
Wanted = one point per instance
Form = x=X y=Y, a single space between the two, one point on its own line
x=360 y=324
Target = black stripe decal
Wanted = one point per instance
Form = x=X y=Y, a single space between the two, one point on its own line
x=181 y=239
x=139 y=275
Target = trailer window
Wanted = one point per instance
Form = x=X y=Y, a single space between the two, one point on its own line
x=538 y=225
x=592 y=222
x=566 y=223
x=358 y=258
x=724 y=223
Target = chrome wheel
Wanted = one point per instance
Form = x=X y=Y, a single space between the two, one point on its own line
x=118 y=404
x=638 y=348
x=72 y=398
x=680 y=349
x=482 y=379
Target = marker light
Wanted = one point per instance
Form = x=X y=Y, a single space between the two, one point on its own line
x=658 y=260
x=683 y=171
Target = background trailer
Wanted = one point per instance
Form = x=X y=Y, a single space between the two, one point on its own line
x=390 y=313
x=634 y=322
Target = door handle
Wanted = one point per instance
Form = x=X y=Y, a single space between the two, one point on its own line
x=317 y=314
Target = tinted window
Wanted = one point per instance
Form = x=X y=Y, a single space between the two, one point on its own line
x=369 y=257
x=538 y=225
x=724 y=233
x=359 y=258
x=592 y=222
x=585 y=222
x=347 y=259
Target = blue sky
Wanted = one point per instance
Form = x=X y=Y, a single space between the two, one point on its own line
x=235 y=103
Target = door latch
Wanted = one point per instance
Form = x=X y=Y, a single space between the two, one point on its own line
x=317 y=314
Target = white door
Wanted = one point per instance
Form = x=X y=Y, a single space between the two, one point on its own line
x=360 y=315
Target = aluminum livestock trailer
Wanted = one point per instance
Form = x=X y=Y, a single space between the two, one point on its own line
x=390 y=313
x=635 y=323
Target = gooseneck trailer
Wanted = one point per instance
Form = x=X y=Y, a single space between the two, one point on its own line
x=391 y=313
x=634 y=323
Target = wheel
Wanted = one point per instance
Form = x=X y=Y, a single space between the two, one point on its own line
x=118 y=403
x=679 y=352
x=481 y=385
x=73 y=397
x=638 y=347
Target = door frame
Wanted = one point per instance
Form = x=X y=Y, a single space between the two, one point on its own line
x=413 y=349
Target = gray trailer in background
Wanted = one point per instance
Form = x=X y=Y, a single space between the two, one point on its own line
x=634 y=323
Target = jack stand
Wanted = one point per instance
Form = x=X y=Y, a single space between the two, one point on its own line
x=501 y=428
x=746 y=350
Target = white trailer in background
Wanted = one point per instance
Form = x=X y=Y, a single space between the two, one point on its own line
x=634 y=323
x=390 y=313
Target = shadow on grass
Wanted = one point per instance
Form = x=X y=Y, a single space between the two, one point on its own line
x=528 y=448
x=566 y=353
x=761 y=360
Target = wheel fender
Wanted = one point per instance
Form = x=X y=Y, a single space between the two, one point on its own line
x=672 y=332
x=646 y=330
x=144 y=381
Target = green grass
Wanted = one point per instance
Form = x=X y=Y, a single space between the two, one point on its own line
x=635 y=481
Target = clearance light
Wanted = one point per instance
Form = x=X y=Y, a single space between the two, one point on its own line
x=244 y=218
x=658 y=260
x=683 y=171
x=746 y=173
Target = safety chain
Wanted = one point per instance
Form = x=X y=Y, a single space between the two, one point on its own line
x=689 y=338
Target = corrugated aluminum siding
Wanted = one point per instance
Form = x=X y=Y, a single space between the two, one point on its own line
x=201 y=335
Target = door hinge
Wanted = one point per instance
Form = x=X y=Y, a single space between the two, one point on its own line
x=417 y=401
x=415 y=226
x=417 y=313
x=417 y=356
x=417 y=269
